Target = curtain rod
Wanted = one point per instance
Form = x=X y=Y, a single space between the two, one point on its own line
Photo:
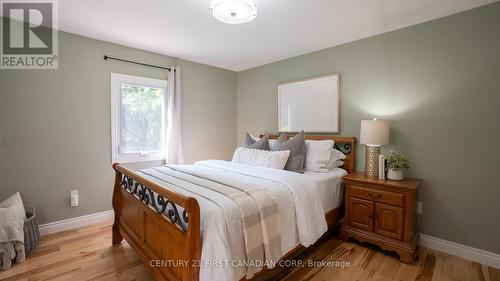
x=138 y=63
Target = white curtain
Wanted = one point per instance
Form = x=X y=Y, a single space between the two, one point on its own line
x=174 y=151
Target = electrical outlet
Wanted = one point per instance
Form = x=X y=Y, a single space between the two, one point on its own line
x=73 y=195
x=419 y=207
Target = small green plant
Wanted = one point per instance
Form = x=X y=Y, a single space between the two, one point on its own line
x=397 y=161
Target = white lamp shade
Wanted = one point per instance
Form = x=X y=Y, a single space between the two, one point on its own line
x=374 y=132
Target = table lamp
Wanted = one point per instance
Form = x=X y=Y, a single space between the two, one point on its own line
x=374 y=133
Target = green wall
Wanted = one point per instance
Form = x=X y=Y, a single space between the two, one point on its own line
x=438 y=83
x=55 y=124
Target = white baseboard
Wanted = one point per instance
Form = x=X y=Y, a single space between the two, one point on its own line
x=77 y=222
x=459 y=250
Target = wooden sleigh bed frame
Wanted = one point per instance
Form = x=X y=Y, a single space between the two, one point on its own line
x=163 y=226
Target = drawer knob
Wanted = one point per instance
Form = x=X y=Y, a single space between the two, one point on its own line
x=378 y=196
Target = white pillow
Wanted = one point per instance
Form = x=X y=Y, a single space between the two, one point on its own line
x=318 y=155
x=261 y=158
x=335 y=164
x=15 y=205
x=336 y=158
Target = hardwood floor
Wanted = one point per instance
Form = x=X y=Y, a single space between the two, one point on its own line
x=87 y=254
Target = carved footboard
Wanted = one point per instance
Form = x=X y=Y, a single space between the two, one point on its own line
x=150 y=218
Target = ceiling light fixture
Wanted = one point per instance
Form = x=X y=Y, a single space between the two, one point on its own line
x=233 y=11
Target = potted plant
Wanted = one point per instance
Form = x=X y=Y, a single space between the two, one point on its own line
x=396 y=162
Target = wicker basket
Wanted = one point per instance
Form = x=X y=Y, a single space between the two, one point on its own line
x=31 y=232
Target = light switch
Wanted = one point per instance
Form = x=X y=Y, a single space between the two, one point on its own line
x=74 y=198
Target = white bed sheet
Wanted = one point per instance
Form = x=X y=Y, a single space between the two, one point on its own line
x=329 y=185
x=309 y=186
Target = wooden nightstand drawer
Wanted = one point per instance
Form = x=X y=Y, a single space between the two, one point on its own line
x=387 y=197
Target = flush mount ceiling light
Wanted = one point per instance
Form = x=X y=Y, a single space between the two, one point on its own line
x=233 y=11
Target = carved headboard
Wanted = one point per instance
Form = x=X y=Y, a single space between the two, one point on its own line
x=346 y=145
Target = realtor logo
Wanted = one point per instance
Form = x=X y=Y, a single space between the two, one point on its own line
x=29 y=35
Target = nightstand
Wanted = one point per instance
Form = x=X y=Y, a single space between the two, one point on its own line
x=381 y=212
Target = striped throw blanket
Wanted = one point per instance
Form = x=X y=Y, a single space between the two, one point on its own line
x=259 y=211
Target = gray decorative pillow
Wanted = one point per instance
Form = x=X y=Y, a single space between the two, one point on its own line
x=262 y=144
x=296 y=145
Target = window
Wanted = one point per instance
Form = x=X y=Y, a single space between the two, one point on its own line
x=138 y=118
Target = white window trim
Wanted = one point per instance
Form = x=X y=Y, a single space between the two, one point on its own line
x=116 y=80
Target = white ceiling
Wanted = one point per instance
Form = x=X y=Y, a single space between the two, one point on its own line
x=282 y=29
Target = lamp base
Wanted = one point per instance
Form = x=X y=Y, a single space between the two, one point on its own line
x=371 y=161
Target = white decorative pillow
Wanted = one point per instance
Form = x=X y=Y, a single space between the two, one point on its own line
x=261 y=158
x=318 y=155
x=15 y=205
x=336 y=158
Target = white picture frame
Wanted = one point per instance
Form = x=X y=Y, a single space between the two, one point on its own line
x=311 y=104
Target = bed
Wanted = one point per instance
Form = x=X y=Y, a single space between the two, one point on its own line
x=184 y=230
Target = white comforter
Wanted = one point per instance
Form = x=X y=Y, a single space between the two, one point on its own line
x=302 y=216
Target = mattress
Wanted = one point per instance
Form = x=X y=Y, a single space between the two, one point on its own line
x=329 y=186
